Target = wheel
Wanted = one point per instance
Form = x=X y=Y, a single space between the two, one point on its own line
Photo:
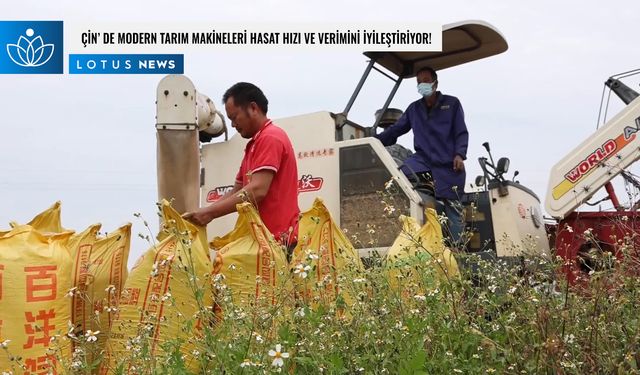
x=399 y=153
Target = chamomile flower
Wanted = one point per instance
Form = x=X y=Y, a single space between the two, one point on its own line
x=278 y=356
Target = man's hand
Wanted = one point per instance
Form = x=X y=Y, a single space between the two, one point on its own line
x=458 y=163
x=201 y=216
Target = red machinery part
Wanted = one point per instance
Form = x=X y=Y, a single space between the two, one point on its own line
x=617 y=232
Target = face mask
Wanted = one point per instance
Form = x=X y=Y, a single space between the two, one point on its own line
x=425 y=89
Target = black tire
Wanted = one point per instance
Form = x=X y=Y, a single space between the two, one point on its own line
x=399 y=153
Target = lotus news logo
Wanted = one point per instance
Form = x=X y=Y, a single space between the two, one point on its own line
x=32 y=47
x=30 y=52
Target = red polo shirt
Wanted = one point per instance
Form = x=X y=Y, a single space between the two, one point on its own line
x=271 y=149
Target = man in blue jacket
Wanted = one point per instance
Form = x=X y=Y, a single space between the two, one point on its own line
x=440 y=140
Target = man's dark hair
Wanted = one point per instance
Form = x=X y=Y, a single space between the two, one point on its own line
x=429 y=69
x=244 y=93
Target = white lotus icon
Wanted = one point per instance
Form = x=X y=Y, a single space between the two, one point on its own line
x=30 y=52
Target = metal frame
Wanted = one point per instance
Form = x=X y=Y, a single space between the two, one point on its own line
x=462 y=42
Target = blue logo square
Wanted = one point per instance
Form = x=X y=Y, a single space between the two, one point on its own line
x=31 y=47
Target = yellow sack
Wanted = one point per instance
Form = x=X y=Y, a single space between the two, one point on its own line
x=80 y=246
x=99 y=272
x=48 y=221
x=174 y=223
x=324 y=253
x=251 y=262
x=159 y=300
x=418 y=256
x=35 y=276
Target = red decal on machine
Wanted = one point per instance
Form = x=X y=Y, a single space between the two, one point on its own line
x=316 y=153
x=309 y=183
x=591 y=161
x=522 y=211
x=218 y=192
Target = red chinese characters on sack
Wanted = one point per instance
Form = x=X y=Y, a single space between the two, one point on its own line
x=42 y=283
x=38 y=327
x=42 y=365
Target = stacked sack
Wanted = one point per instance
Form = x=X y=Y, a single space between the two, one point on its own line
x=99 y=274
x=324 y=262
x=164 y=301
x=90 y=270
x=250 y=263
x=35 y=271
x=418 y=261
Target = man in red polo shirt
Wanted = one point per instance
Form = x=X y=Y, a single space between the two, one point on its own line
x=268 y=175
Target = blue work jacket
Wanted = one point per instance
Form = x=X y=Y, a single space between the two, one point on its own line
x=439 y=134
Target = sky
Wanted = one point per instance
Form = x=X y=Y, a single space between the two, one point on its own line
x=89 y=140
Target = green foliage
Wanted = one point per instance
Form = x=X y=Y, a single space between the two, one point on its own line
x=500 y=318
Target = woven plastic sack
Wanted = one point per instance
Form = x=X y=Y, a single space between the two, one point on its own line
x=418 y=260
x=99 y=274
x=35 y=276
x=323 y=259
x=251 y=263
x=160 y=304
x=48 y=221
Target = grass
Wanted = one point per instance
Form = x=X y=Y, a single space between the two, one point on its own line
x=500 y=319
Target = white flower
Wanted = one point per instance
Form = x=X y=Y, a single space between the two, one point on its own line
x=246 y=363
x=166 y=296
x=512 y=290
x=91 y=335
x=299 y=312
x=443 y=219
x=311 y=254
x=278 y=356
x=569 y=339
x=259 y=338
x=566 y=364
x=388 y=184
x=420 y=297
x=154 y=270
x=389 y=209
x=360 y=280
x=76 y=365
x=71 y=292
x=111 y=289
x=302 y=270
x=5 y=344
x=71 y=328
